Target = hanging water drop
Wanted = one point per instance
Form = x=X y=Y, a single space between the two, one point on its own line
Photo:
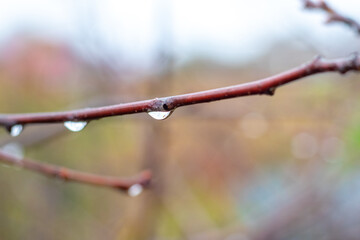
x=16 y=130
x=135 y=190
x=160 y=115
x=75 y=126
x=14 y=149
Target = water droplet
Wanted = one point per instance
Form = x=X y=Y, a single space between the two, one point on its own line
x=75 y=126
x=16 y=130
x=135 y=190
x=14 y=149
x=160 y=115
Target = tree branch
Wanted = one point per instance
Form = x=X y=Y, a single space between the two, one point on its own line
x=264 y=86
x=333 y=16
x=71 y=175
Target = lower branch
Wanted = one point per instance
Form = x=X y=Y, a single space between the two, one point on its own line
x=71 y=175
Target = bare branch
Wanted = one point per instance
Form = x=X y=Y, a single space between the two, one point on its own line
x=264 y=86
x=333 y=16
x=71 y=175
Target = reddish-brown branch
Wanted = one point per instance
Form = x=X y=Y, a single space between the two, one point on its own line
x=71 y=175
x=333 y=16
x=264 y=86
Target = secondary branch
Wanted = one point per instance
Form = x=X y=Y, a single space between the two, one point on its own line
x=333 y=15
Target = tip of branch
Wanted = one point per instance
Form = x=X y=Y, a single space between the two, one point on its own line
x=143 y=179
x=351 y=63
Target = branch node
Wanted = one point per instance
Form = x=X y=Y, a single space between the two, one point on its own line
x=343 y=68
x=166 y=107
x=351 y=64
x=314 y=64
x=270 y=91
x=163 y=104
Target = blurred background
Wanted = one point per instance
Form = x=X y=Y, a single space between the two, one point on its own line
x=259 y=167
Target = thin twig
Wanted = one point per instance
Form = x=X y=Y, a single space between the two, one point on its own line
x=71 y=175
x=333 y=15
x=264 y=86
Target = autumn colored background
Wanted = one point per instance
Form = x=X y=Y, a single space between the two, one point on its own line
x=259 y=167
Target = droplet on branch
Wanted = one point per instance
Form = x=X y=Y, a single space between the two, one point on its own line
x=15 y=130
x=75 y=126
x=160 y=115
x=135 y=190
